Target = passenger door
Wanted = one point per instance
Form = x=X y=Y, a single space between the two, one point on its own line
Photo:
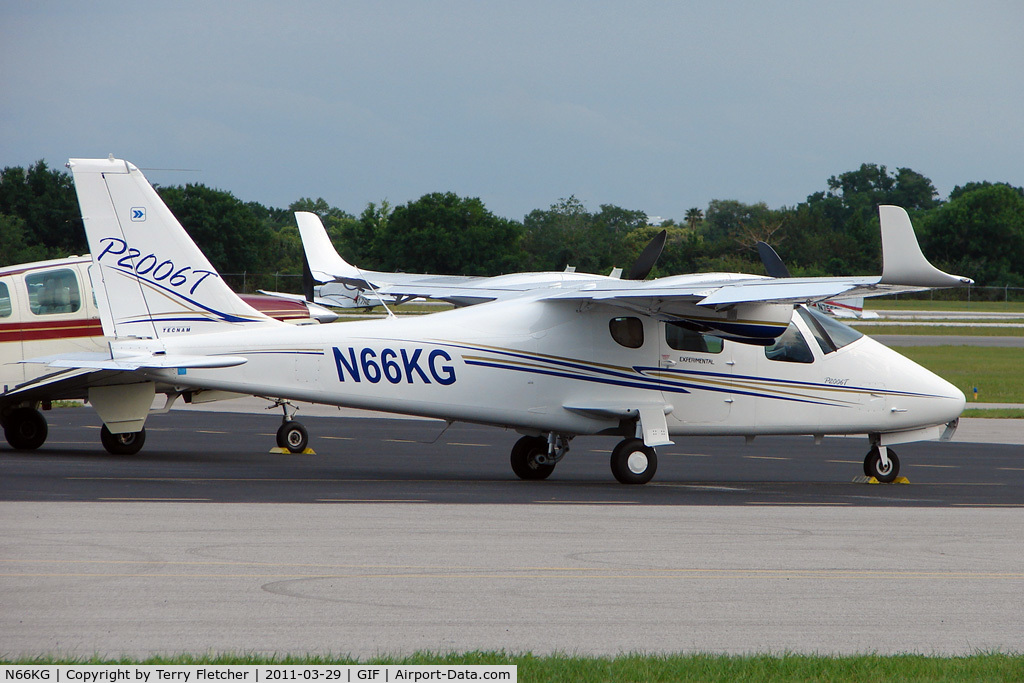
x=701 y=365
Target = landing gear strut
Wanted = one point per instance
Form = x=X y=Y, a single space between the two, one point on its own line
x=882 y=464
x=291 y=435
x=25 y=429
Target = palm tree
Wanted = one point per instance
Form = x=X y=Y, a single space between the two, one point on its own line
x=693 y=217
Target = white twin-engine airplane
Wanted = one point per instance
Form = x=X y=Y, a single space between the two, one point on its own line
x=343 y=284
x=713 y=354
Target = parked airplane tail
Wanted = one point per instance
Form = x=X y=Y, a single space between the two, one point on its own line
x=325 y=264
x=151 y=280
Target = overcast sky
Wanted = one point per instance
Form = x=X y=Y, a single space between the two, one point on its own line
x=658 y=106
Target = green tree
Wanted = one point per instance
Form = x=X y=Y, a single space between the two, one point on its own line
x=694 y=217
x=45 y=200
x=447 y=234
x=566 y=234
x=226 y=229
x=14 y=247
x=979 y=234
x=726 y=218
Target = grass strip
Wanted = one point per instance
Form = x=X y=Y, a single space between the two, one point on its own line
x=995 y=413
x=997 y=372
x=982 y=666
x=933 y=330
x=879 y=304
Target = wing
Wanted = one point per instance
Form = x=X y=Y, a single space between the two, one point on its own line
x=327 y=266
x=757 y=309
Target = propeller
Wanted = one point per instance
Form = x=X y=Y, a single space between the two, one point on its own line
x=648 y=257
x=772 y=263
x=307 y=280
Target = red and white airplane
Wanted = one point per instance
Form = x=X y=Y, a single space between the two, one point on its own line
x=49 y=308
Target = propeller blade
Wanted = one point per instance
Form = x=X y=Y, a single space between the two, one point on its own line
x=772 y=263
x=648 y=257
x=307 y=280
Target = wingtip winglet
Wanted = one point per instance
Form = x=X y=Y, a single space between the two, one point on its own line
x=903 y=262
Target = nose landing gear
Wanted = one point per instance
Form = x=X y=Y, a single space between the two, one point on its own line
x=292 y=436
x=882 y=464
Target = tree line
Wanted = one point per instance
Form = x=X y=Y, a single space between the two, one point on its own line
x=978 y=231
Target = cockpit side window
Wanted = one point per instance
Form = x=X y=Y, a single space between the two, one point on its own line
x=5 y=301
x=791 y=347
x=682 y=339
x=53 y=291
x=628 y=332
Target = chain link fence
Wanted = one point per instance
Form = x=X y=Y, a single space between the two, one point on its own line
x=249 y=283
x=970 y=293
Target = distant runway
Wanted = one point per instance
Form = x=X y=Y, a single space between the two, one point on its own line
x=951 y=340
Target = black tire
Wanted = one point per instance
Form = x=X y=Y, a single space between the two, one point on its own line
x=873 y=466
x=524 y=458
x=25 y=429
x=293 y=436
x=128 y=443
x=633 y=462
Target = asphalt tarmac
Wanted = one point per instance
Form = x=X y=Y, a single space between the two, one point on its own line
x=383 y=544
x=224 y=457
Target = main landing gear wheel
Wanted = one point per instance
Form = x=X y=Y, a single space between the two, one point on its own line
x=128 y=443
x=873 y=466
x=25 y=429
x=293 y=436
x=524 y=458
x=633 y=462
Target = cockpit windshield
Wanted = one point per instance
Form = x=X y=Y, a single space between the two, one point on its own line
x=830 y=334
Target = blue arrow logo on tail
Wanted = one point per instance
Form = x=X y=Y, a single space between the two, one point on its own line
x=138 y=214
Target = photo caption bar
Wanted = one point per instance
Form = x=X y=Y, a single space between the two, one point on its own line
x=256 y=673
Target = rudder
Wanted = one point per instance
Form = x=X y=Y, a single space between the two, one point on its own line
x=156 y=282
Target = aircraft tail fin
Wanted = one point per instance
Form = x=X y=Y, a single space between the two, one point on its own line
x=325 y=264
x=903 y=263
x=154 y=280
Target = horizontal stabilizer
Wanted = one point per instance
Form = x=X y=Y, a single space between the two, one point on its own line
x=141 y=362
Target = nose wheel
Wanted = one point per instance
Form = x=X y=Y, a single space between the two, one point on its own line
x=883 y=466
x=292 y=436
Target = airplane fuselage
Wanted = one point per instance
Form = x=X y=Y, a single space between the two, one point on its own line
x=549 y=366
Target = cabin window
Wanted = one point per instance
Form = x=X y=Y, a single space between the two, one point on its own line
x=682 y=339
x=53 y=291
x=5 y=301
x=790 y=347
x=628 y=332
